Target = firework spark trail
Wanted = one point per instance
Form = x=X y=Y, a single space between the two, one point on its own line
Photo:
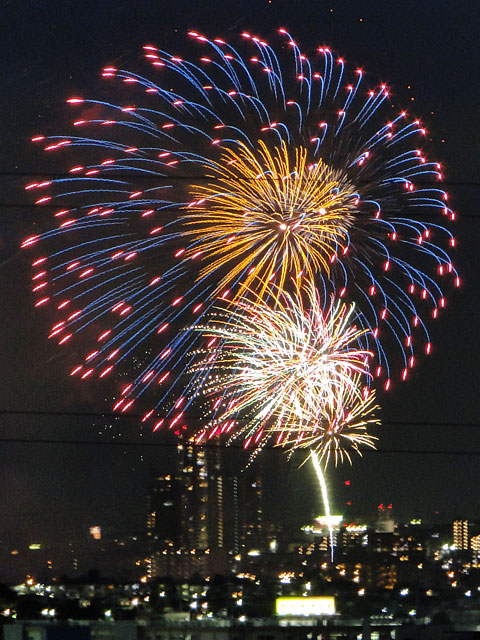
x=249 y=164
x=324 y=491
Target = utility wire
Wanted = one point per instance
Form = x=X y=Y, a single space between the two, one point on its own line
x=214 y=445
x=136 y=416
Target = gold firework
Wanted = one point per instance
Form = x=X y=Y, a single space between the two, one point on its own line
x=266 y=214
x=341 y=428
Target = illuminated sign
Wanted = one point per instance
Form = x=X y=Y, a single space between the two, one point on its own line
x=314 y=606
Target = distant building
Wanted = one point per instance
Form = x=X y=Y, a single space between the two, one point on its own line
x=354 y=535
x=475 y=545
x=460 y=534
x=385 y=521
x=323 y=533
x=95 y=532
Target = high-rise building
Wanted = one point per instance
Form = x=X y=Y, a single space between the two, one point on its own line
x=250 y=512
x=164 y=515
x=232 y=501
x=460 y=534
x=192 y=476
x=203 y=510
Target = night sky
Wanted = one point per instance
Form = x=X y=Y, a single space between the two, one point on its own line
x=427 y=51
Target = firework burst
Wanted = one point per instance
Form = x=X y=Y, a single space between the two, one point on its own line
x=268 y=217
x=289 y=374
x=246 y=164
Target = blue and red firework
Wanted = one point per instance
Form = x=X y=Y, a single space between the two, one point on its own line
x=247 y=163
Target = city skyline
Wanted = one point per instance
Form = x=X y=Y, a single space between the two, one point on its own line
x=203 y=519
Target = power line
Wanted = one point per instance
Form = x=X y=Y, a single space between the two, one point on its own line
x=137 y=416
x=165 y=445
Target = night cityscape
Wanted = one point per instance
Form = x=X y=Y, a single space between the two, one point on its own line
x=240 y=320
x=210 y=559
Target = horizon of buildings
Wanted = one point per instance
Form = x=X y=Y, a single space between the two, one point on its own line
x=202 y=519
